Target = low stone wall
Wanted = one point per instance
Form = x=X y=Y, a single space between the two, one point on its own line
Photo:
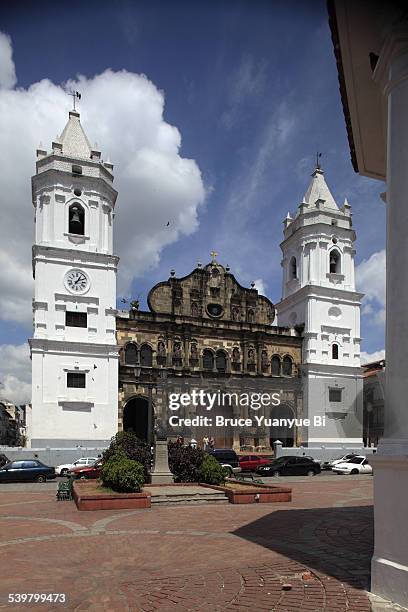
x=87 y=498
x=253 y=493
x=50 y=456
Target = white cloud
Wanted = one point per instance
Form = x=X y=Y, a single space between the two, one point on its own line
x=370 y=280
x=15 y=373
x=260 y=285
x=7 y=69
x=124 y=113
x=370 y=357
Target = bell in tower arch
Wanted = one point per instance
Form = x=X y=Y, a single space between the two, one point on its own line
x=76 y=220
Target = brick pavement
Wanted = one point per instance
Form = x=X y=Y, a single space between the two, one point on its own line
x=312 y=554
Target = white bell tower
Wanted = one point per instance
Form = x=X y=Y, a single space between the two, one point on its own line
x=319 y=296
x=73 y=349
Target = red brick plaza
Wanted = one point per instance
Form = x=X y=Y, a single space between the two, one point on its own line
x=311 y=554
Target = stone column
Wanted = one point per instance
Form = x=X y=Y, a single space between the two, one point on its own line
x=390 y=561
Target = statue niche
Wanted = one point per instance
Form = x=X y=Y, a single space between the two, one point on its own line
x=161 y=353
x=177 y=353
x=236 y=313
x=193 y=354
x=236 y=359
x=251 y=360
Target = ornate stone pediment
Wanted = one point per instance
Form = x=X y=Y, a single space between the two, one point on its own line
x=211 y=292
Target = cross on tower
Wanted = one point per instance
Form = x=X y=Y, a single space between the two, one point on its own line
x=75 y=95
x=213 y=255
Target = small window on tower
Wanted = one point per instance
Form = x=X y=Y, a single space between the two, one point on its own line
x=76 y=220
x=335 y=395
x=76 y=380
x=293 y=268
x=76 y=169
x=76 y=319
x=335 y=351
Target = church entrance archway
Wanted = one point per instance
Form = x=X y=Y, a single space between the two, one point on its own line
x=284 y=433
x=136 y=417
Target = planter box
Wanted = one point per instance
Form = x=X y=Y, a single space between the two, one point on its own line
x=87 y=497
x=255 y=493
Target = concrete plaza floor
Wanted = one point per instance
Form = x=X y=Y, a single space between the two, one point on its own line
x=311 y=554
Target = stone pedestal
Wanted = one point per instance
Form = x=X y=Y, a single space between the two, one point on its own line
x=161 y=472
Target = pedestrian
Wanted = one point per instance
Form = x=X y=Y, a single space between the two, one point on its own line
x=205 y=442
x=211 y=443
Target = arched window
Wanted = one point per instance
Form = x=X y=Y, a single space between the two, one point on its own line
x=276 y=365
x=334 y=261
x=131 y=354
x=287 y=366
x=208 y=360
x=251 y=316
x=292 y=268
x=76 y=221
x=146 y=356
x=221 y=361
x=335 y=351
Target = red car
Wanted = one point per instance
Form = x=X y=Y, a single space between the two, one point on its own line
x=250 y=463
x=87 y=471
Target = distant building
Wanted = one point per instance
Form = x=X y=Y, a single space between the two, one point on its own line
x=12 y=424
x=373 y=401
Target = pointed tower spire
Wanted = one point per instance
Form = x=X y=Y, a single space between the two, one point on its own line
x=318 y=190
x=73 y=138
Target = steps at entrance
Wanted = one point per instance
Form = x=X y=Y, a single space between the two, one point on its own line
x=179 y=495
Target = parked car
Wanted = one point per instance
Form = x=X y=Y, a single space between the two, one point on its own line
x=87 y=471
x=328 y=465
x=290 y=466
x=3 y=459
x=23 y=471
x=62 y=470
x=228 y=458
x=250 y=463
x=355 y=465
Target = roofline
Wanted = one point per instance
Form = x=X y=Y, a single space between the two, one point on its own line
x=331 y=9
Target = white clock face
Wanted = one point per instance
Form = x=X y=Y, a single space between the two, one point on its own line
x=76 y=281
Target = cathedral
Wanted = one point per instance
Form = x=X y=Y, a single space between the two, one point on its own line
x=97 y=370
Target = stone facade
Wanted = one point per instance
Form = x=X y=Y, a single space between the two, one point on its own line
x=206 y=331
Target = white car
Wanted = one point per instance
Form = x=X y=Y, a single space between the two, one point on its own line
x=328 y=465
x=62 y=470
x=356 y=465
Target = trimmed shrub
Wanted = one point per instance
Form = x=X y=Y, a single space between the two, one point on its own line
x=185 y=462
x=122 y=474
x=133 y=448
x=212 y=472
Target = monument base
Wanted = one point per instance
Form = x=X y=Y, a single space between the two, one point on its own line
x=161 y=478
x=161 y=472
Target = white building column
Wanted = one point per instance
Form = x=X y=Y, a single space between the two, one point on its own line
x=390 y=560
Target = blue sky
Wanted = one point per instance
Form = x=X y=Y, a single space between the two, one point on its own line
x=252 y=88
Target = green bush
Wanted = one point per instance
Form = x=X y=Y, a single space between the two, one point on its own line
x=122 y=474
x=185 y=462
x=133 y=448
x=212 y=472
